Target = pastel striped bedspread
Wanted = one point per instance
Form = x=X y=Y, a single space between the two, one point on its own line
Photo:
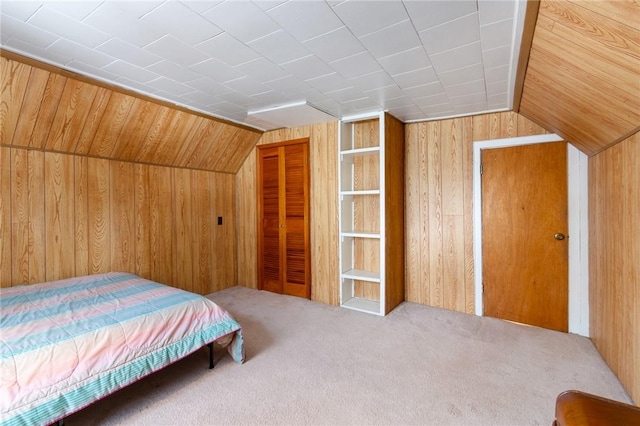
x=65 y=344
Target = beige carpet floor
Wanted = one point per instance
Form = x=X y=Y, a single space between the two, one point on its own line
x=309 y=363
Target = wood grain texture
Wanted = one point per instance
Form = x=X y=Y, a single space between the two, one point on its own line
x=614 y=250
x=582 y=76
x=47 y=108
x=439 y=266
x=324 y=210
x=65 y=215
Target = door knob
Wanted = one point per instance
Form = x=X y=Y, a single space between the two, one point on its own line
x=558 y=236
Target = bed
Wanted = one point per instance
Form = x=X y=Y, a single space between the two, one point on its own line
x=65 y=344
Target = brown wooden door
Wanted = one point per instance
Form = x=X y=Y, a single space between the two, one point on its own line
x=283 y=219
x=524 y=206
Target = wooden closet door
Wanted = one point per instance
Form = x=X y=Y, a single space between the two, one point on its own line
x=283 y=203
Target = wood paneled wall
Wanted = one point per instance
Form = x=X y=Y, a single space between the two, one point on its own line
x=64 y=215
x=53 y=110
x=614 y=259
x=323 y=146
x=438 y=204
x=582 y=77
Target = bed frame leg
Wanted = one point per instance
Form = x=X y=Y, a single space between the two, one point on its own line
x=210 y=345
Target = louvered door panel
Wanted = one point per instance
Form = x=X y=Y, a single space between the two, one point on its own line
x=283 y=205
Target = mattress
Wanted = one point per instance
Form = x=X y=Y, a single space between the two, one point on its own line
x=65 y=344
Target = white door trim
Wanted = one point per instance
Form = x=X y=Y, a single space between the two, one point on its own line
x=577 y=167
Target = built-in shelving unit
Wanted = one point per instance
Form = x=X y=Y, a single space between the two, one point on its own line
x=371 y=209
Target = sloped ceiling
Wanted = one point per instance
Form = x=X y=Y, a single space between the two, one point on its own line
x=42 y=108
x=417 y=59
x=583 y=76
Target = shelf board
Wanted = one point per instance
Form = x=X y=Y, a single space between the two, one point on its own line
x=360 y=234
x=362 y=275
x=361 y=192
x=371 y=150
x=363 y=305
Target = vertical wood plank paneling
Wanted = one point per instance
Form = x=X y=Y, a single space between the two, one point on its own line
x=99 y=235
x=37 y=220
x=71 y=114
x=48 y=107
x=122 y=216
x=224 y=236
x=323 y=290
x=113 y=120
x=183 y=266
x=92 y=122
x=142 y=221
x=137 y=124
x=5 y=217
x=81 y=215
x=30 y=109
x=614 y=302
x=59 y=203
x=161 y=224
x=13 y=82
x=201 y=233
x=19 y=216
x=247 y=238
x=441 y=231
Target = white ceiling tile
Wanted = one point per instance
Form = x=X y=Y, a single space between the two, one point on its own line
x=113 y=19
x=36 y=52
x=76 y=10
x=85 y=69
x=128 y=52
x=493 y=75
x=169 y=86
x=387 y=92
x=205 y=99
x=327 y=83
x=424 y=90
x=334 y=45
x=11 y=27
x=356 y=65
x=64 y=26
x=452 y=34
x=497 y=87
x=247 y=85
x=415 y=78
x=288 y=85
x=396 y=38
x=476 y=86
x=499 y=100
x=200 y=6
x=496 y=34
x=346 y=94
x=131 y=72
x=497 y=57
x=80 y=53
x=206 y=85
x=261 y=70
x=270 y=98
x=239 y=99
x=305 y=19
x=242 y=19
x=134 y=85
x=460 y=75
x=371 y=81
x=400 y=102
x=495 y=10
x=228 y=50
x=427 y=14
x=174 y=71
x=279 y=47
x=138 y=8
x=430 y=101
x=408 y=60
x=469 y=99
x=366 y=17
x=176 y=51
x=459 y=57
x=181 y=22
x=20 y=10
x=268 y=4
x=307 y=67
x=216 y=70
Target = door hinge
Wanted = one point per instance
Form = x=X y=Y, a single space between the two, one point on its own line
x=481 y=169
x=482 y=288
